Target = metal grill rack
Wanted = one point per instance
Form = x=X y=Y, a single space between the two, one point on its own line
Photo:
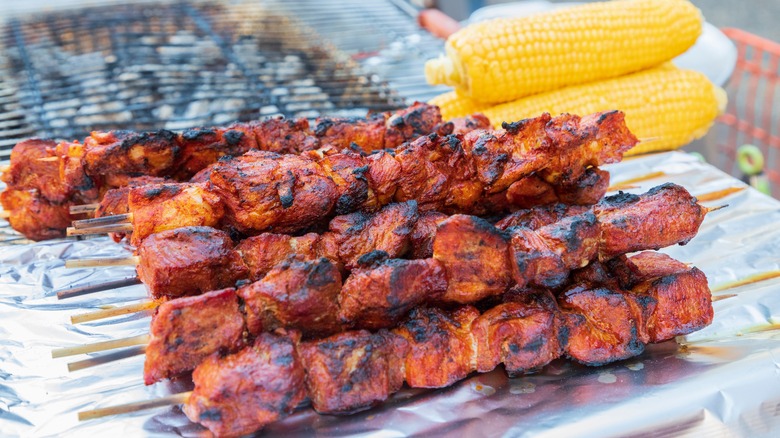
x=183 y=64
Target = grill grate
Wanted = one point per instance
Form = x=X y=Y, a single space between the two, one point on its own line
x=183 y=64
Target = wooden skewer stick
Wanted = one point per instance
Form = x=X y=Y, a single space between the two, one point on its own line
x=5 y=214
x=92 y=288
x=114 y=311
x=763 y=276
x=107 y=358
x=83 y=208
x=100 y=346
x=105 y=220
x=175 y=399
x=637 y=179
x=713 y=196
x=115 y=228
x=96 y=262
x=711 y=209
x=621 y=186
x=649 y=139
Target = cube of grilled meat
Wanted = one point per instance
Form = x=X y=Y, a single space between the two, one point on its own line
x=683 y=297
x=160 y=207
x=261 y=253
x=383 y=173
x=476 y=257
x=352 y=371
x=115 y=201
x=295 y=294
x=81 y=188
x=121 y=155
x=36 y=166
x=644 y=266
x=189 y=261
x=544 y=257
x=240 y=393
x=423 y=233
x=438 y=173
x=665 y=215
x=415 y=121
x=367 y=133
x=348 y=170
x=442 y=348
x=380 y=295
x=284 y=136
x=538 y=217
x=201 y=147
x=464 y=125
x=532 y=190
x=524 y=334
x=34 y=216
x=357 y=234
x=600 y=324
x=266 y=191
x=604 y=135
x=187 y=330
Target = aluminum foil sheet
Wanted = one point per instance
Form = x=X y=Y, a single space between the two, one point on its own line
x=721 y=381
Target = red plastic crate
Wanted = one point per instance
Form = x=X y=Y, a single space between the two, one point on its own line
x=753 y=112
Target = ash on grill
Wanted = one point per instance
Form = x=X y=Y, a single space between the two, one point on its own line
x=171 y=65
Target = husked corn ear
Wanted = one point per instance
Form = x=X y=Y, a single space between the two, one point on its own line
x=453 y=105
x=505 y=59
x=667 y=106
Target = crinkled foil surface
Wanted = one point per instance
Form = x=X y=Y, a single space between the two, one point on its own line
x=721 y=381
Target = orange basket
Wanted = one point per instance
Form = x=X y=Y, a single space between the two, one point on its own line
x=753 y=113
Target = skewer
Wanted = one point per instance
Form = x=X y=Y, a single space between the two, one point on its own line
x=114 y=311
x=102 y=221
x=175 y=399
x=83 y=208
x=92 y=288
x=96 y=262
x=111 y=357
x=100 y=346
x=711 y=209
x=763 y=276
x=641 y=178
x=712 y=196
x=114 y=228
x=5 y=214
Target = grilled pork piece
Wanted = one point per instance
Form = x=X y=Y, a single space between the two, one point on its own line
x=34 y=216
x=256 y=386
x=261 y=253
x=202 y=256
x=187 y=330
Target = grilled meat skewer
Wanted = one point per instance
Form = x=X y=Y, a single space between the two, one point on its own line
x=591 y=323
x=261 y=191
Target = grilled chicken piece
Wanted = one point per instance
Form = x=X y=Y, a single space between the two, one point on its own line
x=263 y=191
x=463 y=125
x=187 y=330
x=633 y=223
x=358 y=234
x=600 y=324
x=115 y=200
x=348 y=170
x=525 y=333
x=683 y=297
x=284 y=136
x=415 y=121
x=476 y=257
x=202 y=256
x=295 y=294
x=423 y=233
x=81 y=187
x=240 y=393
x=380 y=295
x=442 y=348
x=36 y=166
x=367 y=133
x=534 y=191
x=118 y=156
x=34 y=216
x=352 y=371
x=261 y=253
x=160 y=207
x=200 y=147
x=544 y=257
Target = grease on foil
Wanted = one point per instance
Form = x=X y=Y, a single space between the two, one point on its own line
x=723 y=378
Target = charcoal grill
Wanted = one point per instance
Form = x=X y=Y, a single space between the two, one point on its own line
x=180 y=64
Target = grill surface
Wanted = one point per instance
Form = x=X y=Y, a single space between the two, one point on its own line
x=184 y=64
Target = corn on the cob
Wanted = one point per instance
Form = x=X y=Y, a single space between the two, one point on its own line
x=668 y=106
x=505 y=59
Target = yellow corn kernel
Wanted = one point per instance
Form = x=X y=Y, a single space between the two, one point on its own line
x=505 y=59
x=665 y=106
x=453 y=105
